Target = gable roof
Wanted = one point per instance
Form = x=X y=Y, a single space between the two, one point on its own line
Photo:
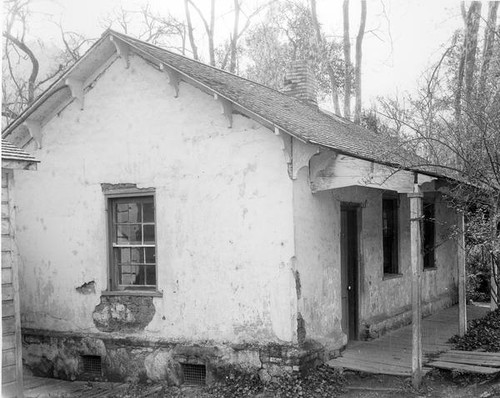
x=12 y=152
x=296 y=118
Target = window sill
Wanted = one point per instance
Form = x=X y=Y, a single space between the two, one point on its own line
x=391 y=276
x=430 y=269
x=151 y=293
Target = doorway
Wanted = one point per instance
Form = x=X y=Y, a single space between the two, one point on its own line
x=349 y=247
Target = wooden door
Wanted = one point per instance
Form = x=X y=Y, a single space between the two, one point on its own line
x=349 y=236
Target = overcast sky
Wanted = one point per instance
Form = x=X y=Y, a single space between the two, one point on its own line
x=404 y=37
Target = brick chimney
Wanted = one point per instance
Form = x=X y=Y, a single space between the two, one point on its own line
x=300 y=82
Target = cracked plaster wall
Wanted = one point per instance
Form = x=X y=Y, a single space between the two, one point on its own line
x=224 y=212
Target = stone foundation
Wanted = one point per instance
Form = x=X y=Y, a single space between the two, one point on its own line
x=61 y=355
x=378 y=326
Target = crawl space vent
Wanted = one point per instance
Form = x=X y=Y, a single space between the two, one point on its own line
x=194 y=374
x=92 y=365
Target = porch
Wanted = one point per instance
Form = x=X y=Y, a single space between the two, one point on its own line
x=391 y=354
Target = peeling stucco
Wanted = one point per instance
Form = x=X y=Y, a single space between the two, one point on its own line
x=86 y=288
x=123 y=313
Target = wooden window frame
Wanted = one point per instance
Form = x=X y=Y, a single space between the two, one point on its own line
x=393 y=270
x=113 y=273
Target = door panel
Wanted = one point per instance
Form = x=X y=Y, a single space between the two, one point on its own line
x=349 y=270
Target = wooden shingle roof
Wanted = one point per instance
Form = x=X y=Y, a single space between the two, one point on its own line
x=295 y=117
x=12 y=152
x=288 y=114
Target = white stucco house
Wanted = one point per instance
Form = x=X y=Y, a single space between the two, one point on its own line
x=185 y=222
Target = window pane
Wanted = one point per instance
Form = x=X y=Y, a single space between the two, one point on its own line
x=134 y=212
x=149 y=234
x=127 y=274
x=128 y=212
x=135 y=234
x=150 y=275
x=132 y=275
x=122 y=255
x=148 y=211
x=150 y=255
x=137 y=255
x=122 y=234
x=121 y=212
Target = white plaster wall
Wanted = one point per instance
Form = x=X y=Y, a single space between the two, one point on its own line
x=317 y=238
x=224 y=212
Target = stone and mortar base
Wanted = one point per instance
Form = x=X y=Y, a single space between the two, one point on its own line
x=378 y=326
x=59 y=355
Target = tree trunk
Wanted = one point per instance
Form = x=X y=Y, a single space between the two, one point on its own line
x=234 y=38
x=331 y=72
x=210 y=33
x=359 y=59
x=34 y=64
x=494 y=279
x=473 y=17
x=489 y=39
x=190 y=30
x=347 y=61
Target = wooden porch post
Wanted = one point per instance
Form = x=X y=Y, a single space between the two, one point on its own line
x=416 y=271
x=462 y=300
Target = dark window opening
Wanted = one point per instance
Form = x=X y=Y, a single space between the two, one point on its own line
x=429 y=234
x=194 y=374
x=390 y=235
x=92 y=365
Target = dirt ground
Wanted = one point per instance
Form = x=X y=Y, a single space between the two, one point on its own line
x=435 y=385
x=358 y=385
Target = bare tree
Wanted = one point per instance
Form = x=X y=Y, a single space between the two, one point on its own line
x=209 y=26
x=359 y=58
x=347 y=60
x=489 y=39
x=194 y=48
x=465 y=145
x=21 y=65
x=320 y=42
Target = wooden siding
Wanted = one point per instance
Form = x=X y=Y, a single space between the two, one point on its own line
x=12 y=377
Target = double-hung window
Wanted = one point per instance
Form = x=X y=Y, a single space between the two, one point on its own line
x=132 y=242
x=390 y=234
x=429 y=232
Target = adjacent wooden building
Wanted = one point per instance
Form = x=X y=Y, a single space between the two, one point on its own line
x=12 y=367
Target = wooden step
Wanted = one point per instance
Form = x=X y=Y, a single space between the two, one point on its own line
x=461 y=367
x=495 y=363
x=476 y=353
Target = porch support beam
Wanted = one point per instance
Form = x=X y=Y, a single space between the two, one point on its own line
x=331 y=171
x=416 y=271
x=462 y=300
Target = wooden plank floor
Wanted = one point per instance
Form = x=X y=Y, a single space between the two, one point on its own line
x=468 y=361
x=391 y=353
x=44 y=387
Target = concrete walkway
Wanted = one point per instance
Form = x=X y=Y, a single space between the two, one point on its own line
x=391 y=353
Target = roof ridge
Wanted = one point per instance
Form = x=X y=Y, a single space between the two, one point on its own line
x=208 y=65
